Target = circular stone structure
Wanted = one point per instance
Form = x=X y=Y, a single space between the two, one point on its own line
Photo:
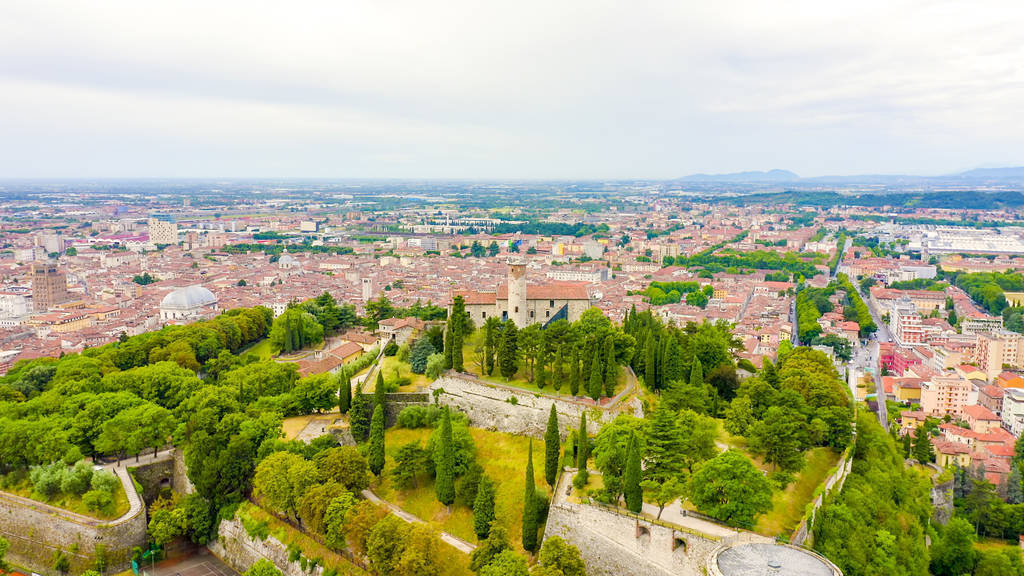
x=767 y=559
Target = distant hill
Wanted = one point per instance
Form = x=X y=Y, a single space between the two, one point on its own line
x=1013 y=174
x=749 y=176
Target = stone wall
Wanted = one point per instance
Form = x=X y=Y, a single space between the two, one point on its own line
x=397 y=401
x=942 y=502
x=181 y=484
x=612 y=544
x=36 y=531
x=155 y=478
x=240 y=551
x=517 y=411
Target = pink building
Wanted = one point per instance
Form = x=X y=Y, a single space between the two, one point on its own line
x=943 y=395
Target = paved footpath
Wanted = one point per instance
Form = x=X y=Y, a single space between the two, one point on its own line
x=673 y=513
x=459 y=544
x=120 y=469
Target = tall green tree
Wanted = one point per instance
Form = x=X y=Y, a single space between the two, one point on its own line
x=344 y=391
x=923 y=450
x=581 y=443
x=530 y=519
x=552 y=446
x=611 y=367
x=953 y=554
x=730 y=488
x=491 y=328
x=508 y=352
x=379 y=390
x=664 y=445
x=483 y=508
x=631 y=478
x=574 y=372
x=596 y=377
x=375 y=453
x=444 y=485
x=780 y=437
x=359 y=415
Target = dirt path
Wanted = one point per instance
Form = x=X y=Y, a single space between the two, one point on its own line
x=458 y=543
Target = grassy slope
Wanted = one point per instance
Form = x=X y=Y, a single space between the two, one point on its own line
x=388 y=365
x=788 y=505
x=503 y=457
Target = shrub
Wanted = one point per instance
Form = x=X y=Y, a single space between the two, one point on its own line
x=77 y=479
x=419 y=417
x=104 y=481
x=46 y=480
x=435 y=366
x=98 y=501
x=391 y=349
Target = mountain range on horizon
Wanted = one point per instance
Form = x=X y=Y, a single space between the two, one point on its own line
x=1012 y=174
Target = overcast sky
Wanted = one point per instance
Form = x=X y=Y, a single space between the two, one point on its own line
x=517 y=89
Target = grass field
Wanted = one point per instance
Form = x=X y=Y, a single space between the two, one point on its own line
x=261 y=349
x=788 y=505
x=388 y=366
x=989 y=544
x=503 y=457
x=74 y=503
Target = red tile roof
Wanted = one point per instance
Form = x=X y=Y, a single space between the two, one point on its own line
x=980 y=413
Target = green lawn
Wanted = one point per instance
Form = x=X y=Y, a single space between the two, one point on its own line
x=261 y=349
x=388 y=366
x=788 y=505
x=503 y=457
x=995 y=544
x=74 y=503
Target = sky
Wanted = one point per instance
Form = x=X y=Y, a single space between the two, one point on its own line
x=524 y=89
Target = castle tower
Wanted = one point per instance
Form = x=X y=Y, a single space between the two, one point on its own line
x=367 y=289
x=517 y=292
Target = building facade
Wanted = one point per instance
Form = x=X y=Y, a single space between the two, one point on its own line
x=49 y=286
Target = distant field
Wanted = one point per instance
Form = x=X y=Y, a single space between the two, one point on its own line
x=261 y=349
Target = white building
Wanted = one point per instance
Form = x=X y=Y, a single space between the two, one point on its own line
x=14 y=305
x=1013 y=410
x=189 y=303
x=163 y=230
x=906 y=323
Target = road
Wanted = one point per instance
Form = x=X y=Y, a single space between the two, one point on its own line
x=456 y=542
x=881 y=336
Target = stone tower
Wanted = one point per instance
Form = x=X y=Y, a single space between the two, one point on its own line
x=367 y=289
x=517 y=292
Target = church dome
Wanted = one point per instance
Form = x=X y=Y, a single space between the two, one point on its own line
x=188 y=298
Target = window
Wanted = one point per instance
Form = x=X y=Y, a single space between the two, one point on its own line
x=531 y=313
x=483 y=315
x=551 y=303
x=547 y=314
x=517 y=309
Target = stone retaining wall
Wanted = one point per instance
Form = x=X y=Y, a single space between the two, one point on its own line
x=240 y=551
x=36 y=531
x=517 y=411
x=612 y=544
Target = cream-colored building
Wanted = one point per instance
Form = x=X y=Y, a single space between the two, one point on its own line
x=943 y=395
x=163 y=231
x=998 y=349
x=526 y=304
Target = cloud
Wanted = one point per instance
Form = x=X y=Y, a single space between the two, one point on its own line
x=398 y=88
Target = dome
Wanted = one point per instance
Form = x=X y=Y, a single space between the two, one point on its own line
x=286 y=259
x=765 y=558
x=188 y=298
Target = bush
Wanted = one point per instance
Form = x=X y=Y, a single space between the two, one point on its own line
x=435 y=366
x=403 y=353
x=46 y=480
x=391 y=349
x=98 y=501
x=77 y=479
x=104 y=481
x=780 y=479
x=419 y=416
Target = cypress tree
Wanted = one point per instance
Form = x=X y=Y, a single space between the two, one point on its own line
x=508 y=352
x=552 y=445
x=651 y=363
x=457 y=361
x=581 y=443
x=696 y=375
x=595 y=377
x=530 y=505
x=631 y=477
x=483 y=509
x=344 y=391
x=379 y=389
x=445 y=484
x=611 y=372
x=574 y=373
x=541 y=369
x=557 y=371
x=449 y=346
x=375 y=454
x=359 y=415
x=489 y=345
x=923 y=451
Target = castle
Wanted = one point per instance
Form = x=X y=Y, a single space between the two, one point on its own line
x=524 y=304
